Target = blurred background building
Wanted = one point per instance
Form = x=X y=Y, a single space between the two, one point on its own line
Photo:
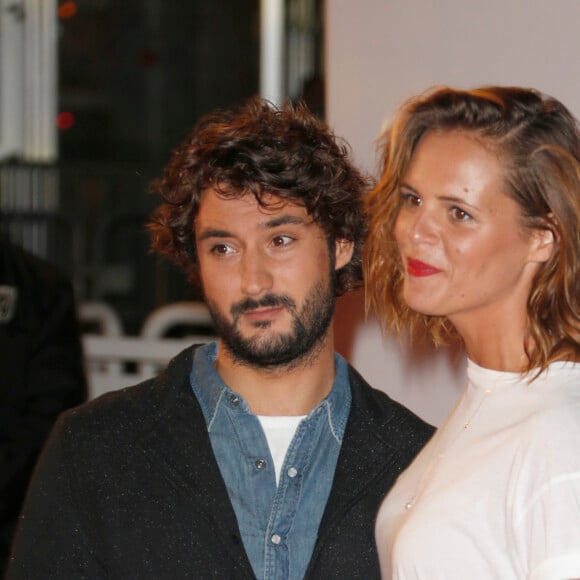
x=94 y=94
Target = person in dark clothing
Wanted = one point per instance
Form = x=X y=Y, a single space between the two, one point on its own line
x=262 y=454
x=41 y=370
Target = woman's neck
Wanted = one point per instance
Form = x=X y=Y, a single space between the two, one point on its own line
x=494 y=343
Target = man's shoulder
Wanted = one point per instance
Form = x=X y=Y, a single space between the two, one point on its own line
x=24 y=269
x=389 y=417
x=113 y=413
x=133 y=410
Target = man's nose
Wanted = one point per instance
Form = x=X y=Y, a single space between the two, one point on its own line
x=256 y=277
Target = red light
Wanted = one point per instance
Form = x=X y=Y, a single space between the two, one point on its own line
x=65 y=120
x=67 y=10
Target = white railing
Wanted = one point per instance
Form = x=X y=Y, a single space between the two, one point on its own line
x=114 y=360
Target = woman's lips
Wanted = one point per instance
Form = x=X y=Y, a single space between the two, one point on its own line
x=420 y=269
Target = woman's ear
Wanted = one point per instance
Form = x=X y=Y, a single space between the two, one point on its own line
x=343 y=253
x=542 y=244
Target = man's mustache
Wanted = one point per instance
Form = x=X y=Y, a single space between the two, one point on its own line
x=267 y=301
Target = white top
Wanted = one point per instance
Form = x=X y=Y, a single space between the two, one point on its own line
x=496 y=493
x=279 y=433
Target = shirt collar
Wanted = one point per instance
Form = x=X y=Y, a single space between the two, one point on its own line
x=210 y=390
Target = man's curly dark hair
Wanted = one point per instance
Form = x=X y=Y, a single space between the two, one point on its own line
x=261 y=149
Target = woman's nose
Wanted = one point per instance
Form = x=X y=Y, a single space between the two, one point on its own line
x=419 y=226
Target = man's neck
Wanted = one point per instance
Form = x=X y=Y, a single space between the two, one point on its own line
x=285 y=390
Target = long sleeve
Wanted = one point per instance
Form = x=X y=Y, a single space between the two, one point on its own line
x=51 y=539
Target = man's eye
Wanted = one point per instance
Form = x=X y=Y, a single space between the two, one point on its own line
x=280 y=241
x=221 y=249
x=460 y=215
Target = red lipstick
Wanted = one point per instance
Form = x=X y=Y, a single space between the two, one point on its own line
x=420 y=269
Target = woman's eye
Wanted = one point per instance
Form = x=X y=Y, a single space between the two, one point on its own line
x=410 y=199
x=459 y=214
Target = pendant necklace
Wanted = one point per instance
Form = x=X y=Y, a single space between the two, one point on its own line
x=440 y=454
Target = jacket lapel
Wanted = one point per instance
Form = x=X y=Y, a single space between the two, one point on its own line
x=180 y=444
x=364 y=456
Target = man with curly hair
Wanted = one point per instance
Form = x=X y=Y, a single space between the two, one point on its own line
x=262 y=454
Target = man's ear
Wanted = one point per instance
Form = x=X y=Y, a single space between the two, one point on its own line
x=343 y=253
x=542 y=244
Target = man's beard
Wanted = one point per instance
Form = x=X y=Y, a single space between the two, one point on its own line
x=301 y=343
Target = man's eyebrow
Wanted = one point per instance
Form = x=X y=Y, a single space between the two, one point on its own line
x=213 y=233
x=284 y=220
x=273 y=223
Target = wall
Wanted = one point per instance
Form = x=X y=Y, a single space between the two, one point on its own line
x=379 y=52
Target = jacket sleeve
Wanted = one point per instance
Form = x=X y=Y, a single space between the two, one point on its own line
x=51 y=540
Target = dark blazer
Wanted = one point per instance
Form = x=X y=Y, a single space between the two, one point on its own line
x=128 y=488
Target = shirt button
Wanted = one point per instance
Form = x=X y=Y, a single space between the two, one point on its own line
x=276 y=539
x=234 y=400
x=260 y=463
x=292 y=472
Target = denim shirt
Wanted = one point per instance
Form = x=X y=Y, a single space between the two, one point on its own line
x=278 y=524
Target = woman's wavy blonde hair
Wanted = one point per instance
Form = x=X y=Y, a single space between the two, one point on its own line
x=538 y=141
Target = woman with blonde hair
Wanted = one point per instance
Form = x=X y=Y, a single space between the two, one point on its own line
x=475 y=233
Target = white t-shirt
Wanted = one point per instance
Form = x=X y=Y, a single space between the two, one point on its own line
x=279 y=431
x=496 y=493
